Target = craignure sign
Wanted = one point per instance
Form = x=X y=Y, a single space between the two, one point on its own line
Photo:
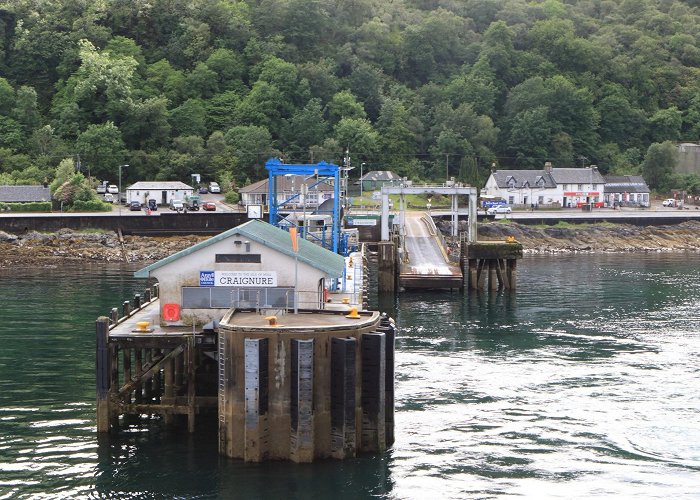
x=238 y=278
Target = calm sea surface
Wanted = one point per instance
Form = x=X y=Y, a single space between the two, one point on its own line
x=585 y=383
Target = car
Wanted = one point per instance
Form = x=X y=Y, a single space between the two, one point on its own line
x=134 y=206
x=109 y=197
x=102 y=188
x=193 y=205
x=203 y=190
x=152 y=205
x=214 y=187
x=112 y=188
x=499 y=209
x=209 y=205
x=177 y=205
x=669 y=202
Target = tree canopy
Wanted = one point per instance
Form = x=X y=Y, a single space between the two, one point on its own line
x=170 y=86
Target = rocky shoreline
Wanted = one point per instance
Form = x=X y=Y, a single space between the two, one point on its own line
x=34 y=248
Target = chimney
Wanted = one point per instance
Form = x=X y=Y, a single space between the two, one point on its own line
x=548 y=167
x=493 y=167
x=594 y=168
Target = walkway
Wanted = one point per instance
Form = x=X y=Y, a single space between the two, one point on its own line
x=426 y=265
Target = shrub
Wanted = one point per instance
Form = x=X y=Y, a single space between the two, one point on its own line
x=34 y=206
x=232 y=197
x=90 y=206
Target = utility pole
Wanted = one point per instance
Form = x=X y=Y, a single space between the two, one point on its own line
x=447 y=167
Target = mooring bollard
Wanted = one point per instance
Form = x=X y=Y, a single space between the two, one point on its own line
x=147 y=295
x=137 y=301
x=114 y=315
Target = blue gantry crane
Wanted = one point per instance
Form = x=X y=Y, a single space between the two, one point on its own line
x=321 y=172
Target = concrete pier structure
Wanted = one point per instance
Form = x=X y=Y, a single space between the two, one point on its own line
x=305 y=386
x=490 y=263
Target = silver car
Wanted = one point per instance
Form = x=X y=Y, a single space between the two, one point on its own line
x=499 y=209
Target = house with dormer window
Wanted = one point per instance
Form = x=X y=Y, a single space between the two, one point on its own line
x=549 y=187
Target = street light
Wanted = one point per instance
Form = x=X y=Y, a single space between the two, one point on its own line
x=362 y=201
x=119 y=194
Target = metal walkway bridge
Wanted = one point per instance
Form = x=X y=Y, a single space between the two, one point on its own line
x=425 y=263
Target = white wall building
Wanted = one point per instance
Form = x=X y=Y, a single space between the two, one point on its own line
x=162 y=192
x=252 y=265
x=288 y=186
x=562 y=187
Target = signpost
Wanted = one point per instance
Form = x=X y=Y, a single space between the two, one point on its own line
x=295 y=247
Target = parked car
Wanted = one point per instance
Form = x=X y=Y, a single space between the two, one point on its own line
x=669 y=202
x=112 y=188
x=214 y=187
x=152 y=205
x=177 y=205
x=134 y=206
x=203 y=190
x=109 y=197
x=192 y=204
x=499 y=209
x=209 y=205
x=102 y=188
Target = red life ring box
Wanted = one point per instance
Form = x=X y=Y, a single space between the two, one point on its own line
x=171 y=312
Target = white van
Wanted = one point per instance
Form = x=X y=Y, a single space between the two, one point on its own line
x=214 y=187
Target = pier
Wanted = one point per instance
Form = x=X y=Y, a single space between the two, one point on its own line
x=415 y=254
x=293 y=368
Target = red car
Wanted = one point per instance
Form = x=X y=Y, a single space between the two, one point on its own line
x=208 y=205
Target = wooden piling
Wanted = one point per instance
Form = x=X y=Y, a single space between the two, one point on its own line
x=302 y=398
x=343 y=383
x=103 y=372
x=386 y=267
x=373 y=351
x=256 y=399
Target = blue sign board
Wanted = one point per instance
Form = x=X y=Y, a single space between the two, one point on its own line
x=206 y=278
x=494 y=203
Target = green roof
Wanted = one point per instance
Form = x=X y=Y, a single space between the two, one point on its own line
x=272 y=237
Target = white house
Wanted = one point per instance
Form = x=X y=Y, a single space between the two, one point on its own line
x=626 y=190
x=162 y=192
x=287 y=187
x=556 y=187
x=249 y=266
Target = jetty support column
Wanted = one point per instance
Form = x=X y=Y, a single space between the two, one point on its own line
x=256 y=399
x=373 y=392
x=302 y=401
x=103 y=371
x=386 y=266
x=343 y=382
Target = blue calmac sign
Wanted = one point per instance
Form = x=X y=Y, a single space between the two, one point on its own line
x=494 y=203
x=206 y=278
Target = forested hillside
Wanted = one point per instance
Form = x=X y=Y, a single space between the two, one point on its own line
x=421 y=87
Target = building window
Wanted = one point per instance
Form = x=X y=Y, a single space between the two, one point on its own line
x=580 y=187
x=540 y=200
x=511 y=200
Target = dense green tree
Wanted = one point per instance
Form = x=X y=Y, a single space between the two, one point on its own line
x=101 y=146
x=658 y=164
x=252 y=147
x=357 y=134
x=189 y=118
x=344 y=105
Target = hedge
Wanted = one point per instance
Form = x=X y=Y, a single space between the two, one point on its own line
x=34 y=206
x=91 y=206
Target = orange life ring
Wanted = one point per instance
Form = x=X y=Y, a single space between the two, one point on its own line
x=171 y=312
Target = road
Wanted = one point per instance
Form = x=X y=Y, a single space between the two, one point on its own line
x=425 y=256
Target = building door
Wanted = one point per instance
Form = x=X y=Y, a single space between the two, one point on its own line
x=163 y=197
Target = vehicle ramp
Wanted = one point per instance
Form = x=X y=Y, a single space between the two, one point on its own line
x=425 y=262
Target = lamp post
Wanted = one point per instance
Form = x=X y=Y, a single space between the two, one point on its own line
x=119 y=194
x=362 y=200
